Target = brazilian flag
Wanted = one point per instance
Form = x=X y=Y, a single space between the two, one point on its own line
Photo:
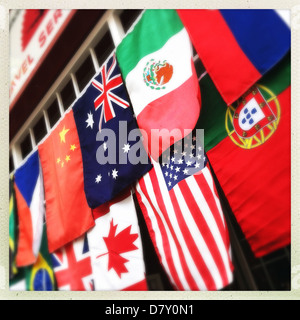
x=18 y=281
x=40 y=276
x=12 y=230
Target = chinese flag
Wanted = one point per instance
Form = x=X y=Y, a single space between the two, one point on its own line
x=67 y=213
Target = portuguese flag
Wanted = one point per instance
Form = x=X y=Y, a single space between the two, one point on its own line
x=249 y=147
x=157 y=65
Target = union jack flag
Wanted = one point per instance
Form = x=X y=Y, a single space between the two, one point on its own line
x=109 y=79
x=72 y=266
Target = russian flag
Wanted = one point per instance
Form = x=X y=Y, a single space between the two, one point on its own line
x=237 y=46
x=30 y=207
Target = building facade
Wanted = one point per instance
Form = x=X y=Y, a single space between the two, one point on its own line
x=54 y=55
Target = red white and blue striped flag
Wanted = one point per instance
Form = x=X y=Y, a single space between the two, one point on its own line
x=30 y=208
x=237 y=47
x=185 y=220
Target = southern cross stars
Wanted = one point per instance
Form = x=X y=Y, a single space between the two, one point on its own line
x=98 y=178
x=126 y=148
x=115 y=173
x=90 y=120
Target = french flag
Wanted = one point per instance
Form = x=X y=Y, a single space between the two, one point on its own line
x=30 y=207
x=237 y=46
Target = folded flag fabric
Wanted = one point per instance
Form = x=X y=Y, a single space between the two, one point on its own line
x=18 y=282
x=113 y=155
x=237 y=47
x=249 y=147
x=185 y=220
x=68 y=215
x=40 y=276
x=13 y=226
x=156 y=61
x=30 y=207
x=116 y=247
x=72 y=266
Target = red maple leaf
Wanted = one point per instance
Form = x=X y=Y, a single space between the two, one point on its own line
x=116 y=245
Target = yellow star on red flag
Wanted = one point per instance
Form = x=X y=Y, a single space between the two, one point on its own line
x=62 y=134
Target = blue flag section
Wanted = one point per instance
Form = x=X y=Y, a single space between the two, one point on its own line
x=29 y=192
x=262 y=35
x=179 y=165
x=112 y=149
x=26 y=177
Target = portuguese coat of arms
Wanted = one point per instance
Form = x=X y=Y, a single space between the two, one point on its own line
x=254 y=119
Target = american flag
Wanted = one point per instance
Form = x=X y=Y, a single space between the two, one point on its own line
x=185 y=220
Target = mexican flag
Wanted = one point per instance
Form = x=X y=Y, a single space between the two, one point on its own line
x=156 y=63
x=248 y=145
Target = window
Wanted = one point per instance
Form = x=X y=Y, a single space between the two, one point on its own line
x=11 y=164
x=85 y=73
x=199 y=67
x=68 y=95
x=127 y=18
x=26 y=146
x=271 y=272
x=40 y=130
x=104 y=47
x=194 y=52
x=53 y=113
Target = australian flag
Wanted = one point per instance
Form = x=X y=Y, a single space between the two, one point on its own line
x=111 y=143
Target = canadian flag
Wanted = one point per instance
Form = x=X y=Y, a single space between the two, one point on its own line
x=115 y=246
